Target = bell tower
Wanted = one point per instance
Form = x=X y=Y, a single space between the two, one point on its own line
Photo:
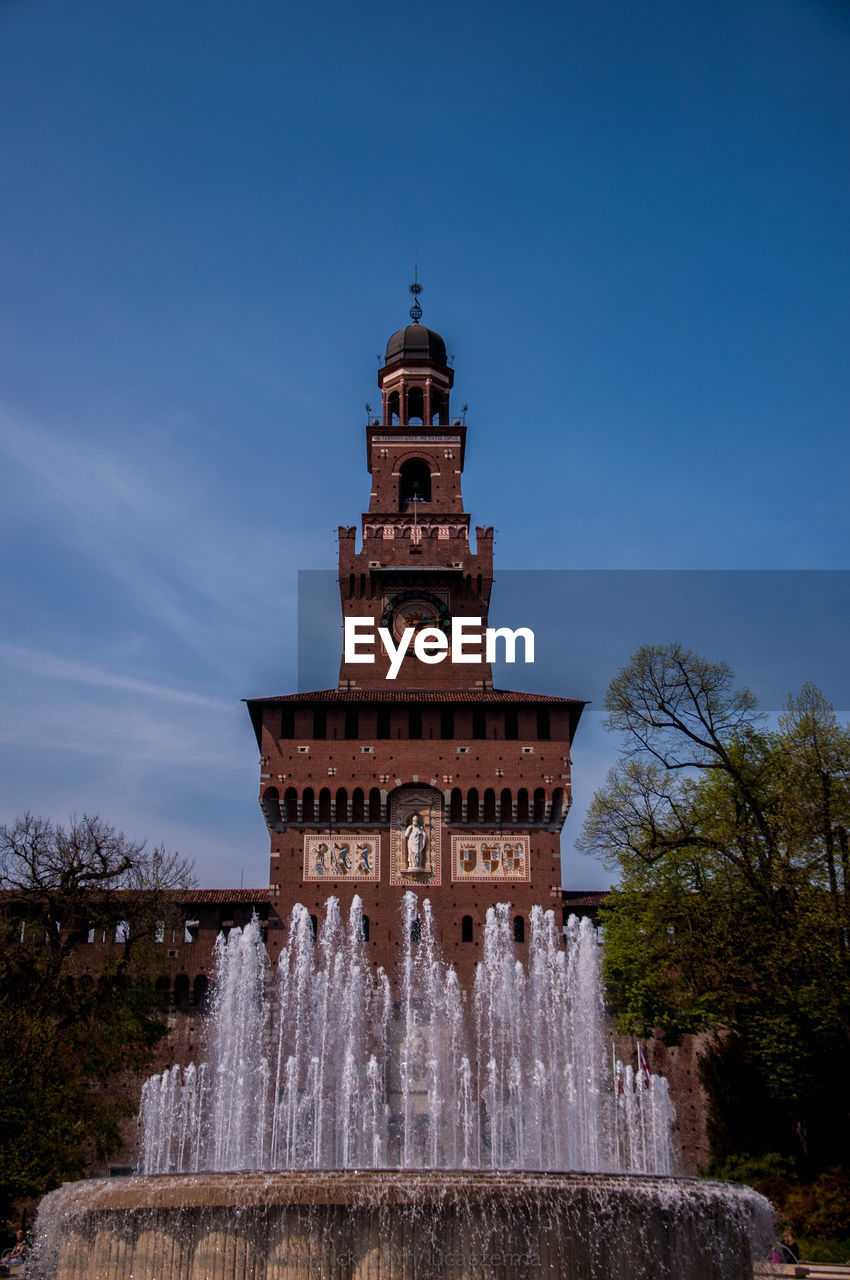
x=416 y=567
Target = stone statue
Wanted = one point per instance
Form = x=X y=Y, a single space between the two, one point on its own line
x=416 y=839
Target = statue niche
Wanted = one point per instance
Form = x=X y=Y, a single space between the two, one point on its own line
x=416 y=820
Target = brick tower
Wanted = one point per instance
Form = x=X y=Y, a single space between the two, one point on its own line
x=432 y=781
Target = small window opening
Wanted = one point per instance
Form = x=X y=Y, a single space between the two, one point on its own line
x=414 y=483
x=415 y=405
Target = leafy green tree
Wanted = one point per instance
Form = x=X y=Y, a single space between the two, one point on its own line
x=732 y=911
x=66 y=1038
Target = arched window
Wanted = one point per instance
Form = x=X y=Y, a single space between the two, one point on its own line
x=200 y=991
x=436 y=407
x=522 y=805
x=416 y=930
x=181 y=991
x=358 y=806
x=414 y=483
x=392 y=407
x=539 y=805
x=324 y=805
x=374 y=805
x=308 y=805
x=505 y=806
x=415 y=405
x=290 y=801
x=456 y=806
x=342 y=805
x=557 y=804
x=489 y=805
x=364 y=928
x=519 y=929
x=466 y=929
x=472 y=805
x=314 y=926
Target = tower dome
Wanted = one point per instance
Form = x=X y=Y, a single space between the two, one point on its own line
x=415 y=342
x=415 y=379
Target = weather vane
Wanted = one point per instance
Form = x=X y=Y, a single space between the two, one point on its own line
x=416 y=288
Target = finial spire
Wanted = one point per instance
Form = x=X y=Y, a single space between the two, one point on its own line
x=415 y=312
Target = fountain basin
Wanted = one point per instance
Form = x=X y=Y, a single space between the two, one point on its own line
x=377 y=1225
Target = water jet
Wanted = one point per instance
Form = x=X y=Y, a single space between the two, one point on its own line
x=340 y=1127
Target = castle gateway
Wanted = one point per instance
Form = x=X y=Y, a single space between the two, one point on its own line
x=416 y=774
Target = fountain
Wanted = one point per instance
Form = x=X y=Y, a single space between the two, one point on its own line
x=341 y=1129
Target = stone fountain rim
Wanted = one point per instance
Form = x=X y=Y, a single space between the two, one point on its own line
x=369 y=1187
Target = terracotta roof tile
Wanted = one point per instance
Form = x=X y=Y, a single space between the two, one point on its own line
x=201 y=896
x=582 y=898
x=418 y=695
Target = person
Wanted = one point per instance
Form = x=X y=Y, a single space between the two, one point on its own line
x=16 y=1256
x=789 y=1244
x=788 y=1251
x=416 y=838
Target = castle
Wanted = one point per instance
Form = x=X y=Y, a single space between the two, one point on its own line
x=431 y=781
x=427 y=778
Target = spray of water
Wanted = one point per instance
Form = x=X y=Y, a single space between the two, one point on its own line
x=323 y=1066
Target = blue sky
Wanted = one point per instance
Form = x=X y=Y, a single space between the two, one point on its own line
x=631 y=224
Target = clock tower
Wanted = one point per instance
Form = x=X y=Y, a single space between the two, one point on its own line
x=416 y=567
x=432 y=781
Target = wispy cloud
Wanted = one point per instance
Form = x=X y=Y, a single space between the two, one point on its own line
x=173 y=539
x=50 y=666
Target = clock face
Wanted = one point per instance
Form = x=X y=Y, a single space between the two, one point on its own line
x=417 y=609
x=414 y=613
